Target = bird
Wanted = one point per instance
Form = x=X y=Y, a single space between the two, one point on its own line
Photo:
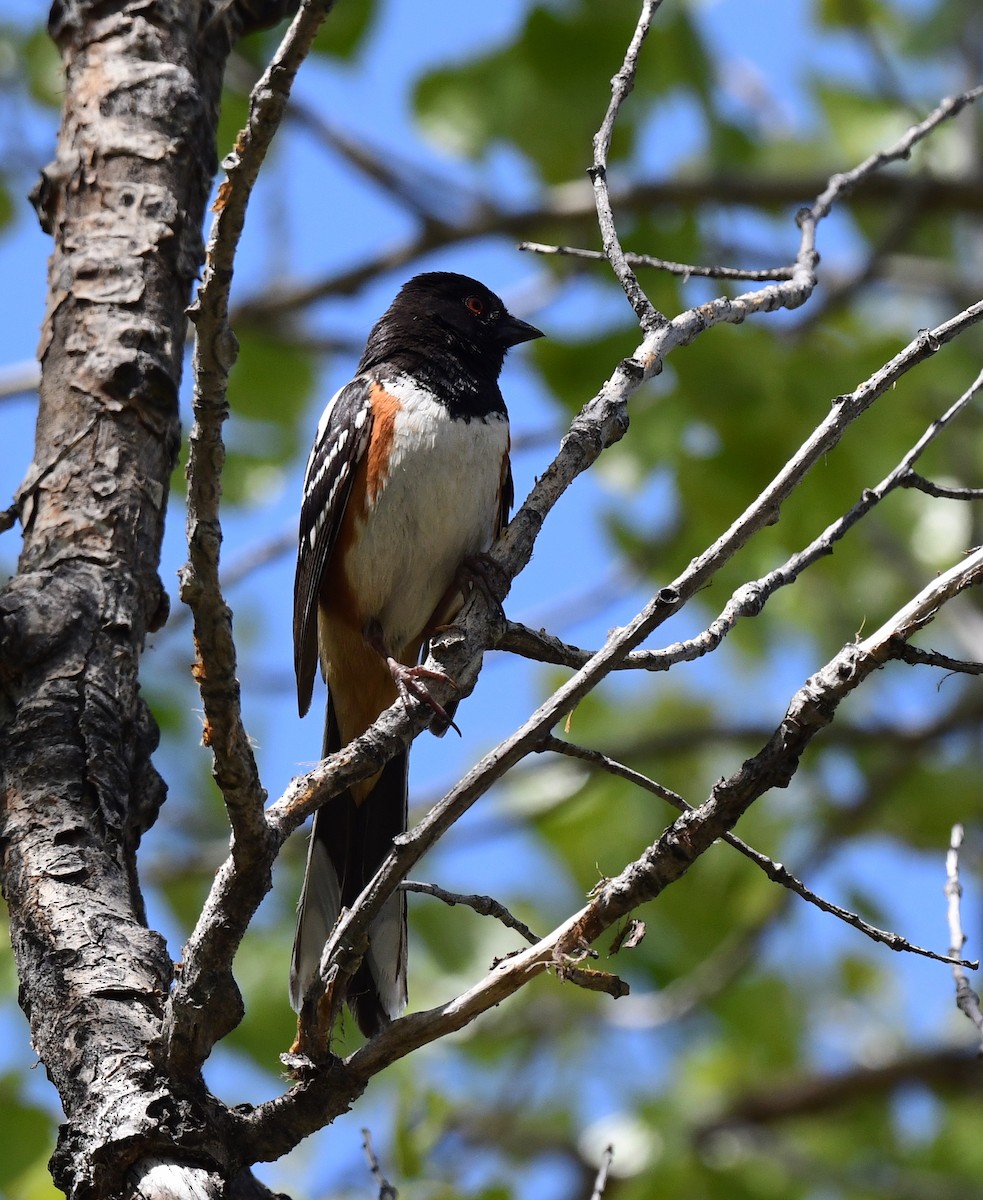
x=408 y=481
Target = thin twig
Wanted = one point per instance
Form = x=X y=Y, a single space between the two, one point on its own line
x=485 y=906
x=253 y=559
x=913 y=480
x=750 y=598
x=839 y=184
x=648 y=316
x=837 y=294
x=967 y=1000
x=932 y=658
x=601 y=1181
x=686 y=270
x=775 y=871
x=386 y=1189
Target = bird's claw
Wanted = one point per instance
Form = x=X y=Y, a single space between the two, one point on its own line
x=411 y=685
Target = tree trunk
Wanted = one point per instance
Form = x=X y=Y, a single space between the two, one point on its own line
x=124 y=200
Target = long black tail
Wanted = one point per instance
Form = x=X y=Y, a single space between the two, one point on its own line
x=348 y=843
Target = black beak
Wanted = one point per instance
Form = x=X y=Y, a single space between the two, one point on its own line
x=512 y=331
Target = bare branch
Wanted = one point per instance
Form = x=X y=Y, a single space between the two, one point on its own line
x=485 y=906
x=750 y=598
x=811 y=709
x=686 y=270
x=967 y=1000
x=943 y=1069
x=386 y=1189
x=348 y=938
x=621 y=85
x=932 y=658
x=775 y=871
x=601 y=1182
x=838 y=293
x=902 y=148
x=567 y=205
x=253 y=559
x=601 y=423
x=913 y=480
x=188 y=1036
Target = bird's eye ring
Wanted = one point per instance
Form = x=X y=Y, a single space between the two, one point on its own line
x=475 y=304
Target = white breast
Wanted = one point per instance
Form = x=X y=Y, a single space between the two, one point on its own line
x=438 y=506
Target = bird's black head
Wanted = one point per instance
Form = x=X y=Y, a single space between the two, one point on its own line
x=450 y=323
x=465 y=307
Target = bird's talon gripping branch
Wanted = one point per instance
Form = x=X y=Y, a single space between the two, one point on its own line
x=409 y=681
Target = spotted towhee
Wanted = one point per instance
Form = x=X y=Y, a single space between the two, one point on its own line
x=409 y=477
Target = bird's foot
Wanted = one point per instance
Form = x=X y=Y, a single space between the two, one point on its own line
x=410 y=681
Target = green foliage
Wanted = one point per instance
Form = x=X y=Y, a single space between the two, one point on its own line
x=27 y=1133
x=344 y=35
x=859 y=123
x=265 y=436
x=521 y=95
x=30 y=79
x=857 y=14
x=42 y=67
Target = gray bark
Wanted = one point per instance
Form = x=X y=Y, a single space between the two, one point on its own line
x=124 y=201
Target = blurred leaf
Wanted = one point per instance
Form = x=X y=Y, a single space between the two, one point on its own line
x=521 y=93
x=262 y=968
x=43 y=68
x=6 y=207
x=859 y=976
x=855 y=14
x=269 y=391
x=861 y=124
x=939 y=26
x=575 y=370
x=231 y=119
x=343 y=34
x=272 y=381
x=25 y=1138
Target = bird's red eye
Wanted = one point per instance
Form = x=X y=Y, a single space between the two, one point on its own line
x=475 y=304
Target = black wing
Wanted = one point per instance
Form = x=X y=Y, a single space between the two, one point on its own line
x=506 y=497
x=342 y=438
